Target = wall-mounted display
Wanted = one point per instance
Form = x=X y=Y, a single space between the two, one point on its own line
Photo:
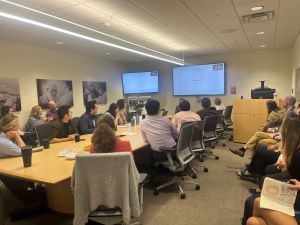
x=60 y=91
x=10 y=93
x=94 y=90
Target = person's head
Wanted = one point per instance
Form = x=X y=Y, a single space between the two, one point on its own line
x=36 y=111
x=104 y=138
x=205 y=103
x=52 y=105
x=108 y=120
x=91 y=108
x=121 y=104
x=64 y=113
x=9 y=123
x=290 y=131
x=288 y=102
x=52 y=89
x=152 y=107
x=218 y=101
x=113 y=109
x=297 y=109
x=7 y=110
x=184 y=105
x=272 y=106
x=181 y=99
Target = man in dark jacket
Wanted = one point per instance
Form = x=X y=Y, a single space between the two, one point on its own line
x=87 y=121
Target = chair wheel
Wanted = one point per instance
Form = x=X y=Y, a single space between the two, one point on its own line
x=194 y=176
x=205 y=170
x=217 y=157
x=182 y=196
x=223 y=144
x=197 y=187
x=155 y=192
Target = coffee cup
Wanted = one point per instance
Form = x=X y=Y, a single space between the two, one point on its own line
x=46 y=143
x=26 y=152
x=77 y=137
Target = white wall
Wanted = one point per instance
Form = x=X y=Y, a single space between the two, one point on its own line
x=29 y=63
x=296 y=59
x=243 y=70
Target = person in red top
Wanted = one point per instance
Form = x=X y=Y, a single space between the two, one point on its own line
x=104 y=139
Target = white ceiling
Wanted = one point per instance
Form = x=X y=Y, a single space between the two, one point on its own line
x=175 y=27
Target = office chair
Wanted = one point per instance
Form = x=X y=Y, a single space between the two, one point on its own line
x=184 y=155
x=164 y=113
x=75 y=120
x=197 y=144
x=210 y=134
x=110 y=196
x=227 y=122
x=220 y=126
x=43 y=131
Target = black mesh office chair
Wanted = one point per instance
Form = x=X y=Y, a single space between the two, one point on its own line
x=184 y=155
x=227 y=122
x=210 y=134
x=43 y=131
x=197 y=144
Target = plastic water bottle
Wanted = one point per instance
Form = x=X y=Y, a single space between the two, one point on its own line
x=132 y=122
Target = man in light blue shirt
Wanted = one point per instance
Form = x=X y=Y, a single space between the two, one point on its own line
x=8 y=147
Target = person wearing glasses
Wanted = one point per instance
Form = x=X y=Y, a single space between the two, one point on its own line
x=64 y=129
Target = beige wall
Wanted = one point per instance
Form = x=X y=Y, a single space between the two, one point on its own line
x=296 y=60
x=29 y=63
x=243 y=70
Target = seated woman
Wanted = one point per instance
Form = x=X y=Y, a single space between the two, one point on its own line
x=10 y=145
x=264 y=136
x=122 y=107
x=35 y=119
x=113 y=111
x=104 y=139
x=6 y=110
x=290 y=132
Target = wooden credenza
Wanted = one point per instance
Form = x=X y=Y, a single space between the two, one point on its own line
x=248 y=116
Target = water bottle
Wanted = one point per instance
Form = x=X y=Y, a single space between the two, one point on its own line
x=137 y=119
x=132 y=122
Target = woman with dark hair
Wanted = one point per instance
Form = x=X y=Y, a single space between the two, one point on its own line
x=275 y=116
x=113 y=111
x=290 y=132
x=104 y=139
x=122 y=107
x=6 y=110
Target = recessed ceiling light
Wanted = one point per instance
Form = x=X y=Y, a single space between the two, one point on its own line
x=107 y=53
x=59 y=43
x=256 y=8
x=260 y=33
x=228 y=31
x=262 y=46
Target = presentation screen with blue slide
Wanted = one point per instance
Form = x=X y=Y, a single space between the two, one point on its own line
x=206 y=79
x=141 y=82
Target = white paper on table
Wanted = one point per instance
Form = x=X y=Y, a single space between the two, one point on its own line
x=277 y=196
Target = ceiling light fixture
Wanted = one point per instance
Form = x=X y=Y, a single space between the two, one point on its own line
x=176 y=60
x=260 y=33
x=262 y=46
x=256 y=8
x=107 y=53
x=59 y=43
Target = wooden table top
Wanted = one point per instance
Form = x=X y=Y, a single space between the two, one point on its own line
x=48 y=168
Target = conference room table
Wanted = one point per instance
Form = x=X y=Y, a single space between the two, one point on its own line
x=55 y=172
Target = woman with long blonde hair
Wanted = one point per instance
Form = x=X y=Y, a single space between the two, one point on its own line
x=34 y=119
x=290 y=131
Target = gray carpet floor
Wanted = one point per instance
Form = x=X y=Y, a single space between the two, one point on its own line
x=220 y=201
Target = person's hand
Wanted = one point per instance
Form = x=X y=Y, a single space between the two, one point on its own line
x=280 y=164
x=272 y=135
x=71 y=137
x=272 y=147
x=20 y=133
x=294 y=184
x=12 y=134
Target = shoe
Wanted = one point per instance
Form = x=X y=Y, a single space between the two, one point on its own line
x=237 y=152
x=253 y=191
x=243 y=176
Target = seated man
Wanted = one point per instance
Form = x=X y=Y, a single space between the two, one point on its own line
x=177 y=109
x=87 y=121
x=157 y=130
x=51 y=115
x=207 y=109
x=218 y=104
x=63 y=129
x=185 y=115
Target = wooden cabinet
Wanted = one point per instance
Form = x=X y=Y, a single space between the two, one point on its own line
x=248 y=116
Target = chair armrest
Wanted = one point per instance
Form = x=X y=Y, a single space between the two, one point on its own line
x=143 y=177
x=165 y=149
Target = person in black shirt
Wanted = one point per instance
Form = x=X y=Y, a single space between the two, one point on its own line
x=64 y=129
x=87 y=121
x=207 y=109
x=177 y=109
